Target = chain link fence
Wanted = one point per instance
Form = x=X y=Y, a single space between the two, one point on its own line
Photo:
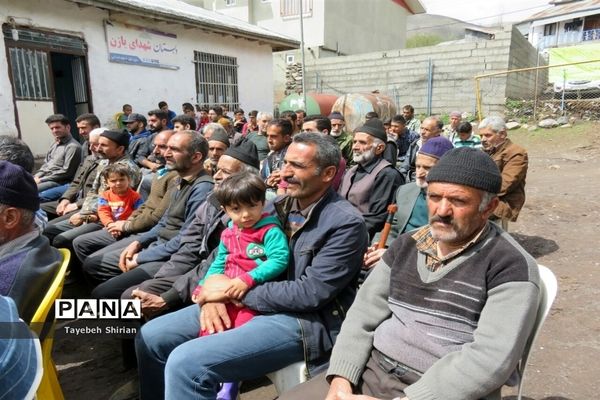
x=533 y=94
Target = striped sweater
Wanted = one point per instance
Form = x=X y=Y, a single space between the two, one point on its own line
x=463 y=326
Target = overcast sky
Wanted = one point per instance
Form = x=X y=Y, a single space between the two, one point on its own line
x=486 y=12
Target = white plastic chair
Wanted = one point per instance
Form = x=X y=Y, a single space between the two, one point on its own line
x=548 y=289
x=288 y=377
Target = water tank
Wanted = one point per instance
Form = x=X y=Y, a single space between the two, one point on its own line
x=354 y=107
x=318 y=103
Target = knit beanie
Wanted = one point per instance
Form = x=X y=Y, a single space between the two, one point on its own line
x=220 y=137
x=467 y=166
x=375 y=128
x=244 y=151
x=436 y=147
x=119 y=136
x=17 y=187
x=336 y=115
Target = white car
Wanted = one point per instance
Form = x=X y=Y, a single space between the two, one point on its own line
x=582 y=85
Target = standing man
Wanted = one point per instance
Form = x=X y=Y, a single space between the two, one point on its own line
x=215 y=113
x=279 y=137
x=370 y=185
x=251 y=125
x=512 y=161
x=430 y=128
x=451 y=130
x=300 y=115
x=170 y=114
x=404 y=136
x=259 y=137
x=343 y=138
x=412 y=123
x=139 y=146
x=63 y=158
x=448 y=310
x=300 y=315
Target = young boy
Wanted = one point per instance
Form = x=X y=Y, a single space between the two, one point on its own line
x=465 y=136
x=118 y=202
x=253 y=249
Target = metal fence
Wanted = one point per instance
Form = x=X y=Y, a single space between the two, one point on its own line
x=547 y=91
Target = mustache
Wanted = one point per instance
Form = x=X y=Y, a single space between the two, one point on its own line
x=443 y=220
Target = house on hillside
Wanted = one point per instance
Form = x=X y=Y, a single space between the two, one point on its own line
x=331 y=28
x=566 y=23
x=77 y=56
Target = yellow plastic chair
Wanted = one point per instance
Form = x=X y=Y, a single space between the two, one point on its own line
x=49 y=388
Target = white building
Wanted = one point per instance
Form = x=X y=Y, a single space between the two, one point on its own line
x=568 y=22
x=331 y=27
x=76 y=56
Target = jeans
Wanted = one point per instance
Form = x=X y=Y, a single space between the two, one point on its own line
x=42 y=186
x=53 y=193
x=174 y=361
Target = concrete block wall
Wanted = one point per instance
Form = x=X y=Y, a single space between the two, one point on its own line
x=403 y=74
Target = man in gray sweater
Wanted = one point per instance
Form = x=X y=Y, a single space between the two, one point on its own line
x=447 y=311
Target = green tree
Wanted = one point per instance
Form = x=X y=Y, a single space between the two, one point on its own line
x=423 y=40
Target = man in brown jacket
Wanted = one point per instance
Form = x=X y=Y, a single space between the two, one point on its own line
x=512 y=161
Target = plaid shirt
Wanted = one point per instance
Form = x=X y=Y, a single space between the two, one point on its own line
x=427 y=245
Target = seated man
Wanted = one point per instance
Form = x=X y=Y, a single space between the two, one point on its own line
x=142 y=219
x=512 y=161
x=370 y=185
x=63 y=158
x=117 y=267
x=72 y=198
x=169 y=288
x=411 y=199
x=27 y=262
x=302 y=313
x=448 y=310
x=20 y=355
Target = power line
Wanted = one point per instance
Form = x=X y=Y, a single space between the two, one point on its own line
x=476 y=19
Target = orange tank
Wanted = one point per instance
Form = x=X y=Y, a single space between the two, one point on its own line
x=354 y=107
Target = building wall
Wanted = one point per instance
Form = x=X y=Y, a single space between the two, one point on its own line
x=403 y=74
x=356 y=26
x=112 y=84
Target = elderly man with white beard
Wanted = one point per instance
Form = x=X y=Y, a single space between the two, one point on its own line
x=370 y=185
x=411 y=198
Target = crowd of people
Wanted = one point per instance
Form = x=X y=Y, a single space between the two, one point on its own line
x=254 y=243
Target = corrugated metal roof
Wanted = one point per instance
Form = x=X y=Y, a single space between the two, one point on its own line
x=175 y=11
x=565 y=9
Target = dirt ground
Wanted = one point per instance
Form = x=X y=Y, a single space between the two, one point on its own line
x=558 y=226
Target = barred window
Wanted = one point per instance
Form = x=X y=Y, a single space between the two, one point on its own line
x=30 y=74
x=291 y=8
x=216 y=80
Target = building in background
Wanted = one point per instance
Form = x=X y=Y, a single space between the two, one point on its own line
x=567 y=23
x=331 y=28
x=76 y=56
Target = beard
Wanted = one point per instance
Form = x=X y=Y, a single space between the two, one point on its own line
x=364 y=157
x=421 y=182
x=335 y=134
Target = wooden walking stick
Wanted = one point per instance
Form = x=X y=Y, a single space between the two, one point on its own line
x=392 y=208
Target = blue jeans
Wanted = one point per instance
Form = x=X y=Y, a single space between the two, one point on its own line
x=174 y=361
x=53 y=193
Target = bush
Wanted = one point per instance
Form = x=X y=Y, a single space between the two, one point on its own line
x=423 y=40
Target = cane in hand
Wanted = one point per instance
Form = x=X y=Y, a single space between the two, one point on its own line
x=392 y=208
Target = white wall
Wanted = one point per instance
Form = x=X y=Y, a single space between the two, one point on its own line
x=114 y=84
